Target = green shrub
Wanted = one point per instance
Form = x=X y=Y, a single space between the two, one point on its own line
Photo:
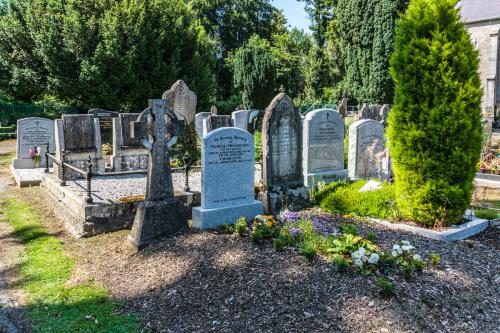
x=371 y=236
x=349 y=229
x=435 y=123
x=241 y=227
x=258 y=146
x=434 y=259
x=487 y=214
x=386 y=287
x=344 y=197
x=308 y=250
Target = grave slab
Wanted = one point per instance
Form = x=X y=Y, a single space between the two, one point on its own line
x=27 y=177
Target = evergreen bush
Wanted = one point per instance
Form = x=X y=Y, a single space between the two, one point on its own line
x=435 y=123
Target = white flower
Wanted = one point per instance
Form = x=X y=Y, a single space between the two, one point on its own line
x=407 y=248
x=360 y=253
x=358 y=263
x=394 y=253
x=374 y=258
x=406 y=243
x=417 y=257
x=397 y=248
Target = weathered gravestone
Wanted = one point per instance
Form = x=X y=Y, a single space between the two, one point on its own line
x=227 y=179
x=128 y=153
x=215 y=122
x=78 y=137
x=255 y=119
x=33 y=133
x=343 y=107
x=240 y=119
x=366 y=149
x=199 y=120
x=161 y=214
x=324 y=132
x=182 y=101
x=105 y=122
x=282 y=157
x=384 y=114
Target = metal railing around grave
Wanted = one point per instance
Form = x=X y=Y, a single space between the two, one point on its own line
x=89 y=175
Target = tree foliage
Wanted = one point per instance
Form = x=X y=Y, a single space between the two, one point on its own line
x=364 y=32
x=102 y=53
x=255 y=73
x=435 y=123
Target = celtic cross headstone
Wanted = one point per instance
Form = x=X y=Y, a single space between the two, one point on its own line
x=160 y=214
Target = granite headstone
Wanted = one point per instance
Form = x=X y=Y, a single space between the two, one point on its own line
x=227 y=179
x=324 y=132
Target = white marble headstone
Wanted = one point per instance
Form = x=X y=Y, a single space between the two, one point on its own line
x=31 y=133
x=366 y=146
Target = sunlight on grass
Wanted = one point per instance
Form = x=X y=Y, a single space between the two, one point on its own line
x=6 y=159
x=45 y=269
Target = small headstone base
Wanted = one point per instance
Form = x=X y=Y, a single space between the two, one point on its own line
x=213 y=218
x=155 y=219
x=280 y=199
x=312 y=180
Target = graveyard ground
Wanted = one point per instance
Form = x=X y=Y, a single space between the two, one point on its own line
x=205 y=281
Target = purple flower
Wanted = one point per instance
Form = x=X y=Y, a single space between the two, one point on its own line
x=323 y=226
x=289 y=217
x=296 y=231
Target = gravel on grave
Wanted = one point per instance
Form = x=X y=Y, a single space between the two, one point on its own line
x=205 y=281
x=112 y=188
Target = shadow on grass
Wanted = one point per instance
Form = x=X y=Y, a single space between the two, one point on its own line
x=45 y=269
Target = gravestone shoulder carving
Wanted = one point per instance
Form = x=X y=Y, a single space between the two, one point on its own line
x=182 y=101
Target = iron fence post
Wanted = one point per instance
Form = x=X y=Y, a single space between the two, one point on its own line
x=186 y=172
x=63 y=171
x=88 y=199
x=47 y=146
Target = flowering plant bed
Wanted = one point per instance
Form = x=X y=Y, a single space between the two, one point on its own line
x=336 y=239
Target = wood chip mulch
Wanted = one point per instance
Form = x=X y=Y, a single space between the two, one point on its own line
x=209 y=282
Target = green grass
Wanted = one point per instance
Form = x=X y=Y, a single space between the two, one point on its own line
x=345 y=198
x=45 y=268
x=6 y=159
x=487 y=214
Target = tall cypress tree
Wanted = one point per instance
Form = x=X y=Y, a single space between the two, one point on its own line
x=364 y=30
x=435 y=124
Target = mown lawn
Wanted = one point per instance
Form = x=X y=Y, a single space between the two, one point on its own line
x=53 y=306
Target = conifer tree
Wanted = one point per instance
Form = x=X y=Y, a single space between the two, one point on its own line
x=435 y=124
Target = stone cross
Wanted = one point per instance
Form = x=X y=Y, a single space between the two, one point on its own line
x=158 y=128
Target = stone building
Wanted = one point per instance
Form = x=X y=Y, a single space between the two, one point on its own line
x=482 y=18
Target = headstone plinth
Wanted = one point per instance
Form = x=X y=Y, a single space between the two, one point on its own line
x=227 y=179
x=324 y=132
x=155 y=219
x=283 y=178
x=160 y=214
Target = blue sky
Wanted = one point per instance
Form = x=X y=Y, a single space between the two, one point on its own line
x=294 y=12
